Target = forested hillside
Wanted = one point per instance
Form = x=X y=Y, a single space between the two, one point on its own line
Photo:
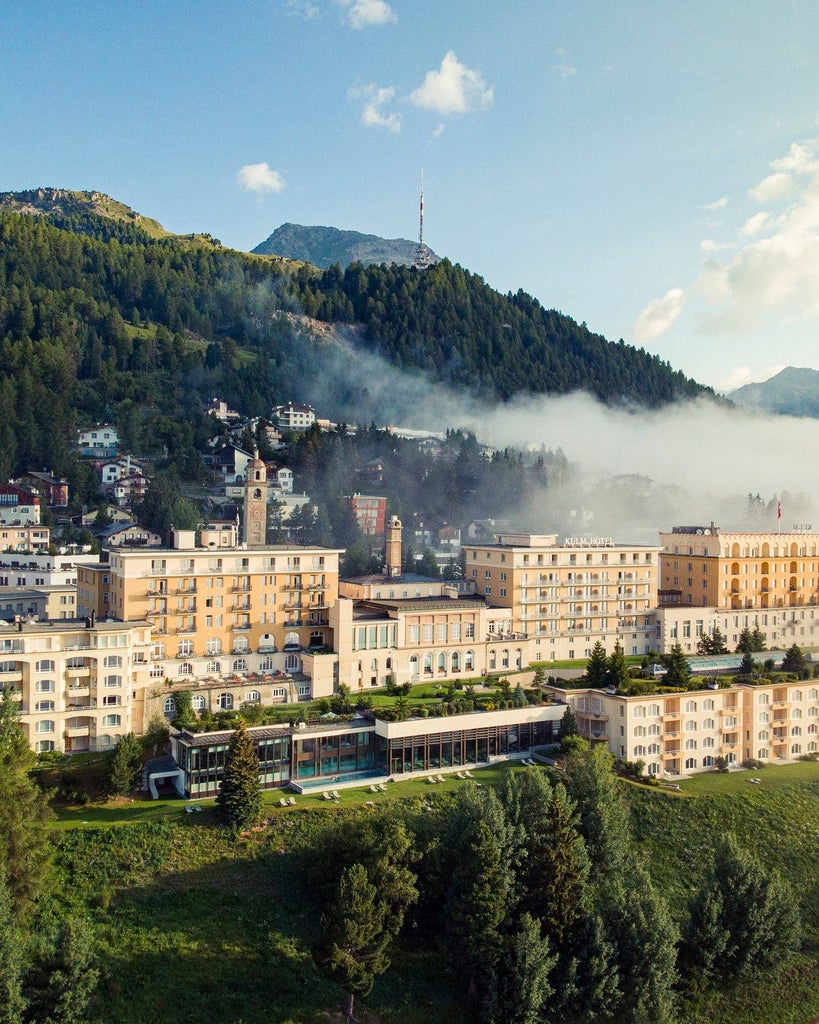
x=101 y=320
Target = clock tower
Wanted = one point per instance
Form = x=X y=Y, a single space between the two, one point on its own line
x=255 y=524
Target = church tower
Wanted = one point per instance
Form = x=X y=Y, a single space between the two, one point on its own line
x=255 y=525
x=392 y=553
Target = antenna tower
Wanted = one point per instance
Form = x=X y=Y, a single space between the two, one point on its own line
x=423 y=257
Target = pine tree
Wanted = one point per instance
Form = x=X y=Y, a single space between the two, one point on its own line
x=678 y=670
x=597 y=668
x=240 y=794
x=126 y=765
x=72 y=975
x=12 y=959
x=568 y=723
x=603 y=821
x=794 y=660
x=744 y=919
x=357 y=932
x=618 y=674
x=520 y=985
x=745 y=644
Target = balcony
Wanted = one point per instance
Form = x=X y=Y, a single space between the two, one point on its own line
x=77 y=730
x=15 y=676
x=185 y=590
x=242 y=626
x=241 y=650
x=242 y=588
x=78 y=672
x=78 y=691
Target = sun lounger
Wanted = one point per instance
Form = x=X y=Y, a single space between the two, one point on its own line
x=441 y=778
x=382 y=787
x=326 y=795
x=335 y=795
x=282 y=802
x=197 y=808
x=373 y=788
x=468 y=774
x=188 y=810
x=432 y=780
x=292 y=801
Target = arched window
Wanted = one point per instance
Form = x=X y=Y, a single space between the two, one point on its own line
x=653 y=710
x=240 y=645
x=709 y=742
x=653 y=769
x=112 y=661
x=796 y=730
x=639 y=712
x=708 y=723
x=240 y=665
x=796 y=695
x=213 y=646
x=796 y=748
x=812 y=729
x=505 y=658
x=762 y=698
x=253 y=697
x=690 y=744
x=113 y=682
x=690 y=726
x=214 y=668
x=292 y=640
x=813 y=694
x=690 y=762
x=654 y=730
x=763 y=717
x=708 y=705
x=442 y=662
x=44 y=746
x=428 y=664
x=639 y=730
x=225 y=701
x=198 y=702
x=44 y=686
x=690 y=705
x=654 y=748
x=185 y=669
x=456 y=661
x=170 y=706
x=796 y=712
x=46 y=725
x=111 y=721
x=266 y=664
x=812 y=747
x=493 y=659
x=639 y=750
x=469 y=662
x=291 y=663
x=46 y=665
x=708 y=761
x=48 y=705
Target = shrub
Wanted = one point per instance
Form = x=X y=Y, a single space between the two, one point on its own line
x=753 y=763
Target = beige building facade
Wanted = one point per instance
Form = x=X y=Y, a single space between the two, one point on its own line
x=683 y=733
x=81 y=685
x=563 y=597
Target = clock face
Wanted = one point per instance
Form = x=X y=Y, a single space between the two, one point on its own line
x=256 y=513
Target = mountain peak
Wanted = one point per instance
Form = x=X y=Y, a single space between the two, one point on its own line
x=324 y=246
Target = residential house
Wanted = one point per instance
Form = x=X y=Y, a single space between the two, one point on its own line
x=101 y=441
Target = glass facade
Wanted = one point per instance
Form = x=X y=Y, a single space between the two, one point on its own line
x=334 y=755
x=465 y=746
x=204 y=765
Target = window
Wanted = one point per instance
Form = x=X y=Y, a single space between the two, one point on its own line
x=428 y=633
x=240 y=664
x=111 y=700
x=639 y=730
x=690 y=705
x=44 y=705
x=225 y=701
x=113 y=682
x=198 y=702
x=690 y=744
x=253 y=697
x=414 y=634
x=441 y=632
x=639 y=712
x=169 y=706
x=185 y=669
x=213 y=646
x=46 y=725
x=469 y=630
x=44 y=686
x=709 y=742
x=690 y=762
x=111 y=721
x=690 y=726
x=469 y=663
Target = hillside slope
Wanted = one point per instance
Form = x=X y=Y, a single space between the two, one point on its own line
x=324 y=246
x=794 y=391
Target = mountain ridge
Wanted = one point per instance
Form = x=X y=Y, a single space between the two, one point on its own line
x=793 y=391
x=323 y=246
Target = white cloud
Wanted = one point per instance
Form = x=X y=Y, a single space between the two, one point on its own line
x=375 y=99
x=708 y=245
x=260 y=178
x=742 y=375
x=303 y=9
x=775 y=186
x=801 y=159
x=659 y=316
x=437 y=132
x=756 y=225
x=565 y=70
x=718 y=204
x=453 y=89
x=366 y=13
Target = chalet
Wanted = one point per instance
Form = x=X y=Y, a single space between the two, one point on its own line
x=292 y=417
x=230 y=462
x=51 y=490
x=130 y=535
x=279 y=477
x=101 y=441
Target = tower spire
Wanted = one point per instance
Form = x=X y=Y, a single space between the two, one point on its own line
x=423 y=257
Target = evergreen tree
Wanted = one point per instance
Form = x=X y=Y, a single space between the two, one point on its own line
x=645 y=942
x=794 y=660
x=712 y=643
x=568 y=723
x=745 y=644
x=618 y=674
x=126 y=765
x=744 y=919
x=25 y=848
x=678 y=670
x=72 y=975
x=12 y=961
x=357 y=931
x=603 y=822
x=520 y=987
x=240 y=794
x=597 y=668
x=747 y=666
x=757 y=640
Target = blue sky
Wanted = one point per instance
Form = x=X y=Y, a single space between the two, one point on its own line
x=651 y=168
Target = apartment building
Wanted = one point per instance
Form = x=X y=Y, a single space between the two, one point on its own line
x=223 y=612
x=710 y=578
x=79 y=683
x=683 y=733
x=564 y=597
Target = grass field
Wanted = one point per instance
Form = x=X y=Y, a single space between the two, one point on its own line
x=196 y=927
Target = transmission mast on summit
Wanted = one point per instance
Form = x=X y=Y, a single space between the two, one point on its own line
x=423 y=257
